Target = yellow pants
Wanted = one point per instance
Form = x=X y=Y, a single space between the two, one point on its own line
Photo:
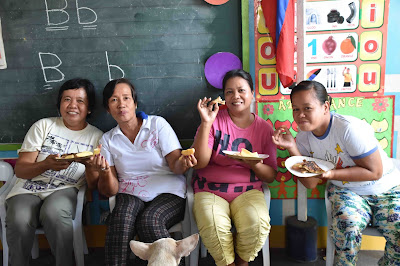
x=215 y=216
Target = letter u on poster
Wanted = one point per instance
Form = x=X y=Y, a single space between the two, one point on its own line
x=3 y=63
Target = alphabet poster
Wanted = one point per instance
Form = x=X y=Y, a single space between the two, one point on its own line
x=345 y=46
x=3 y=63
x=345 y=49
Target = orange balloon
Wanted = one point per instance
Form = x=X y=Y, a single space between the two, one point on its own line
x=216 y=2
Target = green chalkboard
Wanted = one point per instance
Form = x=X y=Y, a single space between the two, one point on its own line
x=160 y=45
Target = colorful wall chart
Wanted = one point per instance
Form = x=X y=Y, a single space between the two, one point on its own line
x=345 y=49
x=377 y=111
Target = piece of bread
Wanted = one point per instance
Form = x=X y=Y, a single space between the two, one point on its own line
x=96 y=151
x=246 y=153
x=187 y=152
x=84 y=154
x=68 y=156
x=218 y=100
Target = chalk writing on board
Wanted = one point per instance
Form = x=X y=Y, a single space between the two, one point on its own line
x=51 y=68
x=62 y=17
x=52 y=73
x=109 y=66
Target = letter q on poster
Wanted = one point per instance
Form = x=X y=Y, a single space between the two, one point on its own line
x=3 y=63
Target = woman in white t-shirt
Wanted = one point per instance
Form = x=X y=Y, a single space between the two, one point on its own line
x=364 y=186
x=139 y=163
x=46 y=188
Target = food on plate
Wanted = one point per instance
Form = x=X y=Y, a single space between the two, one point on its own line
x=187 y=152
x=68 y=156
x=308 y=167
x=246 y=153
x=84 y=154
x=78 y=155
x=218 y=100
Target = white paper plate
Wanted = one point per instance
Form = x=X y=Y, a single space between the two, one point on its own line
x=325 y=165
x=236 y=155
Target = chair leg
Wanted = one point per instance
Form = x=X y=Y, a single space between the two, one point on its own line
x=330 y=250
x=78 y=245
x=4 y=243
x=35 y=248
x=265 y=253
x=85 y=248
x=203 y=250
x=194 y=256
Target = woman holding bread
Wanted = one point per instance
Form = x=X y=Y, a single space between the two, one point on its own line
x=229 y=191
x=45 y=191
x=139 y=163
x=364 y=187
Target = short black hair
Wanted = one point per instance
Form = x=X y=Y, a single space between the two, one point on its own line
x=110 y=87
x=320 y=92
x=238 y=73
x=77 y=83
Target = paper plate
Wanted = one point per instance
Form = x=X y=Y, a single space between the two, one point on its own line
x=325 y=165
x=217 y=65
x=236 y=155
x=216 y=2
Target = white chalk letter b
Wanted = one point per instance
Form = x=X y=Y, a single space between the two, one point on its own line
x=51 y=73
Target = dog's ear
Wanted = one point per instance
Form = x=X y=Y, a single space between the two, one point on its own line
x=185 y=246
x=142 y=250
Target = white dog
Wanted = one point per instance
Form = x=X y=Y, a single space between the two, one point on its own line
x=165 y=251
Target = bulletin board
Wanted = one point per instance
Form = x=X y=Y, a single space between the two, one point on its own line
x=346 y=39
x=345 y=46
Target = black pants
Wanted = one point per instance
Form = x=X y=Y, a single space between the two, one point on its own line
x=150 y=220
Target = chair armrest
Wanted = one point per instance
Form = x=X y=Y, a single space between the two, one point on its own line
x=111 y=202
x=267 y=194
x=4 y=190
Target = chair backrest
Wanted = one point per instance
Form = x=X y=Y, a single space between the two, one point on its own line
x=6 y=171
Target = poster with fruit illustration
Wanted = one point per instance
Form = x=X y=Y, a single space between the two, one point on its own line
x=377 y=111
x=3 y=63
x=345 y=49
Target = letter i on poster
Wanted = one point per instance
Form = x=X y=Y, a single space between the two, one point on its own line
x=3 y=63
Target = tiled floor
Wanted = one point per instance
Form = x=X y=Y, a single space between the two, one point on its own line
x=278 y=258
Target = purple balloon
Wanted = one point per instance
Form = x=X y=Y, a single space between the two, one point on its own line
x=218 y=65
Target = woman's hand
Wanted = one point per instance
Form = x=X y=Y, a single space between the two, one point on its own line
x=56 y=164
x=282 y=137
x=328 y=175
x=207 y=113
x=100 y=164
x=188 y=161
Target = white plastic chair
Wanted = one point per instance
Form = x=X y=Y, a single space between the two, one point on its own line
x=194 y=256
x=330 y=247
x=80 y=246
x=182 y=227
x=6 y=175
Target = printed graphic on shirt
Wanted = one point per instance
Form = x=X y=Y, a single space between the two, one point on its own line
x=137 y=183
x=225 y=143
x=151 y=141
x=50 y=179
